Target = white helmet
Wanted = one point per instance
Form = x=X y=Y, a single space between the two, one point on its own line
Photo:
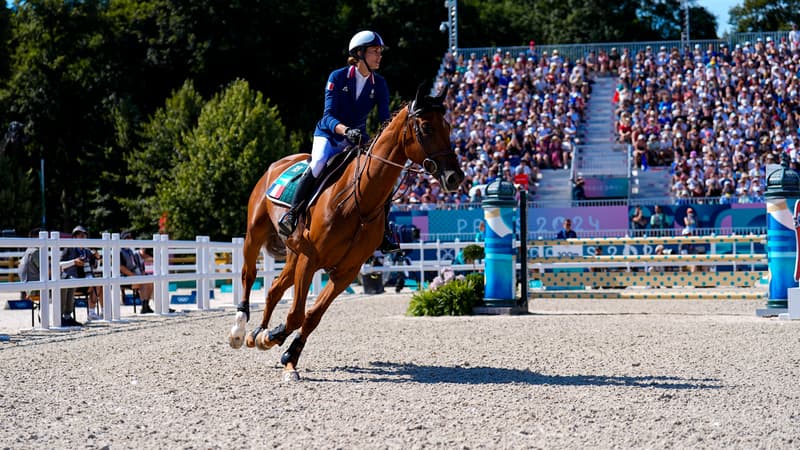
x=364 y=39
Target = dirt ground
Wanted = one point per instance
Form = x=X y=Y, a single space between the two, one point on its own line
x=571 y=374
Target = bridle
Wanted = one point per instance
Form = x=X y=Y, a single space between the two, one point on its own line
x=413 y=123
x=428 y=165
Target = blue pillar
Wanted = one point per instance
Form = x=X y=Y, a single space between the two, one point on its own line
x=783 y=190
x=500 y=264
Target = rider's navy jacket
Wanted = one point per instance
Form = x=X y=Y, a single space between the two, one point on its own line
x=341 y=106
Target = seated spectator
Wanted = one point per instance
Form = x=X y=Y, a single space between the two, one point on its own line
x=567 y=232
x=639 y=220
x=29 y=265
x=76 y=262
x=657 y=219
x=133 y=264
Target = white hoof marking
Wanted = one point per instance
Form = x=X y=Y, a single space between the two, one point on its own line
x=236 y=337
x=290 y=376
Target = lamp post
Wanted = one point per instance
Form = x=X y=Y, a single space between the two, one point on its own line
x=685 y=37
x=41 y=188
x=450 y=26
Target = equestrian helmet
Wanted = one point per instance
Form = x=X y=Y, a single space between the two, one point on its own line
x=364 y=39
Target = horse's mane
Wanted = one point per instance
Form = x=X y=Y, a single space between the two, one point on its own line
x=386 y=124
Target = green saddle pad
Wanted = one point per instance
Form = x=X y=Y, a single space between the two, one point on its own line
x=282 y=189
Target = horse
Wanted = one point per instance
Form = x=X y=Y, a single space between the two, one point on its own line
x=342 y=228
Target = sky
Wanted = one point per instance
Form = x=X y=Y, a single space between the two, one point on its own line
x=720 y=9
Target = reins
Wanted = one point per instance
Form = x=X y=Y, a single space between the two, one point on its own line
x=410 y=124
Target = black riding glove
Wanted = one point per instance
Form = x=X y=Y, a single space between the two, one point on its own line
x=353 y=135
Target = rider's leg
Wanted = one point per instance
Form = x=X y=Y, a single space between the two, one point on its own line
x=321 y=151
x=388 y=245
x=288 y=222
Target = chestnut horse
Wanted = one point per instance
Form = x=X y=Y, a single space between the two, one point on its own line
x=345 y=223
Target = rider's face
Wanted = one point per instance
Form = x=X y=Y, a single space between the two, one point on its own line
x=372 y=56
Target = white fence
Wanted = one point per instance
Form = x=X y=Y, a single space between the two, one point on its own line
x=204 y=270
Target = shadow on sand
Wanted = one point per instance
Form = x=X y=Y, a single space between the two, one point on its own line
x=388 y=372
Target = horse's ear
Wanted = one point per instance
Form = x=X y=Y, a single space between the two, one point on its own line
x=421 y=90
x=418 y=105
x=439 y=99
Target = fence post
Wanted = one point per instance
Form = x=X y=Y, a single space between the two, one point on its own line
x=163 y=250
x=202 y=272
x=55 y=275
x=44 y=275
x=111 y=296
x=237 y=262
x=421 y=265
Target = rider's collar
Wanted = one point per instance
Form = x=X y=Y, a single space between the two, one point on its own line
x=352 y=73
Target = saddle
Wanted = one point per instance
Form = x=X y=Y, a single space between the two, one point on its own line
x=281 y=191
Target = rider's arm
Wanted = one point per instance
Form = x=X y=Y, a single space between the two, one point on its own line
x=332 y=88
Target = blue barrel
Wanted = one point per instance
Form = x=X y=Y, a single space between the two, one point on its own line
x=783 y=190
x=500 y=258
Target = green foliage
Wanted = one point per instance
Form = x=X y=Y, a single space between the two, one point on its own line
x=476 y=280
x=761 y=15
x=455 y=298
x=161 y=150
x=238 y=134
x=87 y=78
x=18 y=197
x=473 y=252
x=492 y=23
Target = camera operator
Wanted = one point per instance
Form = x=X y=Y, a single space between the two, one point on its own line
x=77 y=262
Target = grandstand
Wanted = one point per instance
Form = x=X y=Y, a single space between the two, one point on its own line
x=636 y=121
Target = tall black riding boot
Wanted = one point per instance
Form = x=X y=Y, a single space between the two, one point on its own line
x=288 y=222
x=388 y=245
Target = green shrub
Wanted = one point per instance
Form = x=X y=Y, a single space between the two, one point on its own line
x=476 y=280
x=473 y=252
x=456 y=298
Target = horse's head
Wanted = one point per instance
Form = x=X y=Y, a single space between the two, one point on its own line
x=432 y=134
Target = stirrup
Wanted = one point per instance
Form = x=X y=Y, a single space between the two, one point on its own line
x=389 y=246
x=288 y=223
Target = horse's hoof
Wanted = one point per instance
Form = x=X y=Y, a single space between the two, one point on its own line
x=249 y=341
x=263 y=342
x=290 y=376
x=235 y=341
x=236 y=337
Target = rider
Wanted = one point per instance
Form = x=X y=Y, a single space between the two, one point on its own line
x=350 y=94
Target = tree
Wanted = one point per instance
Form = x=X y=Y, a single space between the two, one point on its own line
x=61 y=90
x=17 y=191
x=162 y=138
x=764 y=15
x=238 y=134
x=666 y=19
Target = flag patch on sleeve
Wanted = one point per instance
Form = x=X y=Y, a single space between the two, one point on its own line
x=329 y=87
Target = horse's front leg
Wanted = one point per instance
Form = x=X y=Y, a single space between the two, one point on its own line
x=266 y=340
x=339 y=281
x=252 y=246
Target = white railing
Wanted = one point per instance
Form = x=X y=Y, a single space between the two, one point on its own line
x=204 y=271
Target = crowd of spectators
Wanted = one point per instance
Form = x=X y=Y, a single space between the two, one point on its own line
x=715 y=116
x=511 y=116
